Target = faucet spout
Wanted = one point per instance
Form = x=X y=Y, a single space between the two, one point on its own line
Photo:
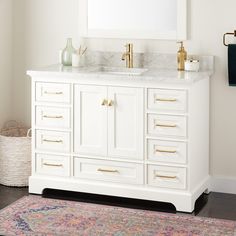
x=128 y=55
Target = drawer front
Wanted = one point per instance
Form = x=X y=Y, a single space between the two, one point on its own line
x=167 y=100
x=167 y=151
x=52 y=165
x=52 y=117
x=167 y=177
x=165 y=125
x=52 y=141
x=52 y=92
x=119 y=172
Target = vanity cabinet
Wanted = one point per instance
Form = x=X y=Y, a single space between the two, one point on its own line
x=122 y=136
x=108 y=121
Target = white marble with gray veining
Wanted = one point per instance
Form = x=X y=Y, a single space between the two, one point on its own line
x=144 y=60
x=161 y=69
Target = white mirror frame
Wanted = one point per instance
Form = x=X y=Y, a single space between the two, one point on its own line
x=180 y=34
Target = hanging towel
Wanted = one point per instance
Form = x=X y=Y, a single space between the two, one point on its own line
x=232 y=64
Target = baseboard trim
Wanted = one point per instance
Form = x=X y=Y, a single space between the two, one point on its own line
x=223 y=184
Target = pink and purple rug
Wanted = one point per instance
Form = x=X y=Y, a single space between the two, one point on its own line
x=36 y=216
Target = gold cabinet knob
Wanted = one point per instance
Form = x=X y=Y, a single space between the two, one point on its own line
x=104 y=102
x=110 y=103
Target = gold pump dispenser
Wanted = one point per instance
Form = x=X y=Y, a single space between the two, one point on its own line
x=181 y=56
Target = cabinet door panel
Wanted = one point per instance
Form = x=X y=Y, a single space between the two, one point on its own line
x=125 y=122
x=90 y=120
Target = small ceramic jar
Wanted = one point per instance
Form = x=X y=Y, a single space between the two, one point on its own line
x=192 y=65
x=76 y=58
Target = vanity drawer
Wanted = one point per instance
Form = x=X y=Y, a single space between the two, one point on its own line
x=120 y=172
x=166 y=125
x=52 y=165
x=167 y=177
x=52 y=117
x=167 y=100
x=52 y=141
x=167 y=151
x=52 y=92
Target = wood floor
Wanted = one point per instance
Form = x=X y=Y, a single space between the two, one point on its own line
x=215 y=205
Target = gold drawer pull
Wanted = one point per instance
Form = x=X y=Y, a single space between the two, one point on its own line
x=52 y=141
x=104 y=102
x=166 y=99
x=53 y=93
x=53 y=117
x=166 y=176
x=53 y=165
x=107 y=170
x=166 y=151
x=166 y=126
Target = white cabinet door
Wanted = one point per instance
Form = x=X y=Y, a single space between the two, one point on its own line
x=90 y=120
x=125 y=122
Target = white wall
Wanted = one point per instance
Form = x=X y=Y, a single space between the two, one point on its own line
x=40 y=31
x=46 y=23
x=5 y=59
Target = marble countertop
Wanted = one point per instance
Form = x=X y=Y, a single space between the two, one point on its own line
x=151 y=75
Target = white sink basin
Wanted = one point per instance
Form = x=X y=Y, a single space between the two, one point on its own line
x=121 y=70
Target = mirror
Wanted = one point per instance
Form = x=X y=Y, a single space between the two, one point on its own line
x=137 y=19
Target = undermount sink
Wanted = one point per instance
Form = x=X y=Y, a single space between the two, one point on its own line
x=121 y=70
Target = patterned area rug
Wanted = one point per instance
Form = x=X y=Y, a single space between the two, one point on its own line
x=33 y=215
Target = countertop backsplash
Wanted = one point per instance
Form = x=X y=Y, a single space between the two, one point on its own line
x=143 y=60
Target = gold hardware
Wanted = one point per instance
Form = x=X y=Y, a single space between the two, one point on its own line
x=110 y=103
x=166 y=126
x=52 y=141
x=166 y=176
x=107 y=103
x=166 y=99
x=84 y=51
x=53 y=93
x=224 y=37
x=104 y=102
x=181 y=57
x=108 y=170
x=129 y=55
x=52 y=117
x=165 y=151
x=54 y=165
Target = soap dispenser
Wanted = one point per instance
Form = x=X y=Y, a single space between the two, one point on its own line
x=181 y=56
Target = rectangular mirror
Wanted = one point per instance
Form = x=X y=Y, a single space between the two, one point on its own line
x=134 y=19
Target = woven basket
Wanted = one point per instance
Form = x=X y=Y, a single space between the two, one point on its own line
x=15 y=155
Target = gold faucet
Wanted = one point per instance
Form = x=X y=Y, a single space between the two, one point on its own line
x=129 y=55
